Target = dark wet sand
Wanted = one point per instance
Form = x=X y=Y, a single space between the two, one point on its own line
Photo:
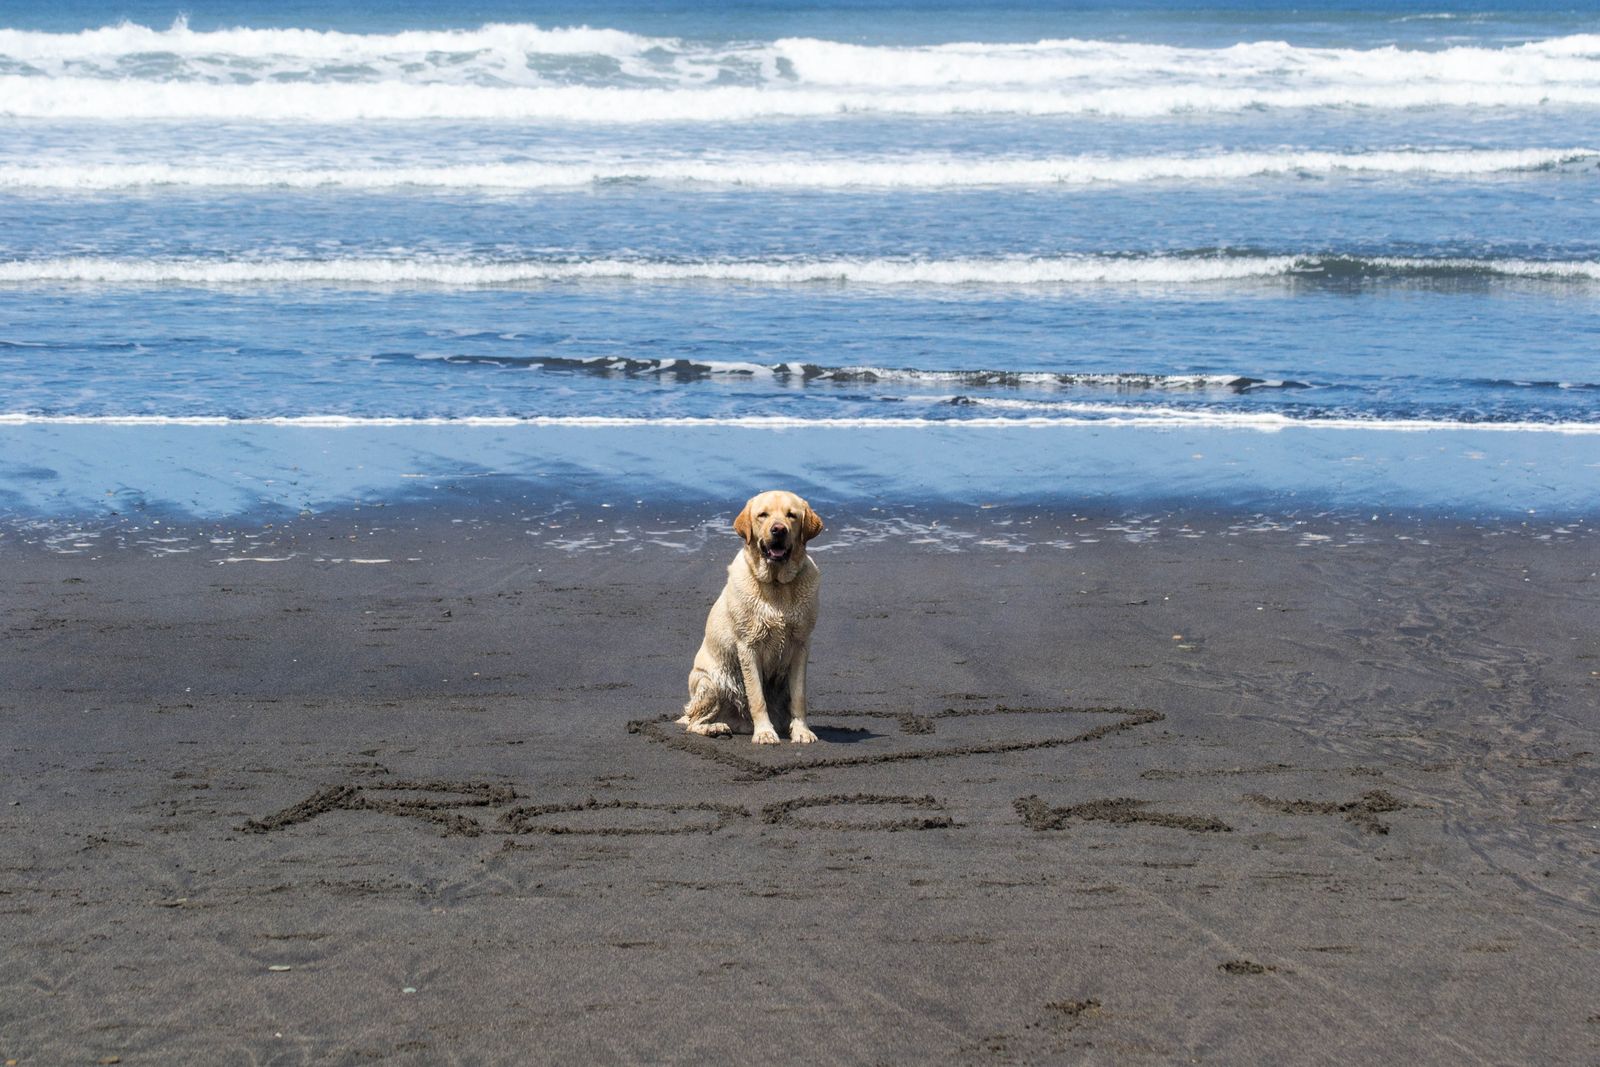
x=1254 y=798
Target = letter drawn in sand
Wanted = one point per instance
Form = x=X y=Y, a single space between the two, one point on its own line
x=427 y=801
x=433 y=802
x=1363 y=811
x=1037 y=815
x=928 y=813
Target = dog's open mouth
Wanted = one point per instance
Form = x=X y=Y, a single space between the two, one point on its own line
x=776 y=553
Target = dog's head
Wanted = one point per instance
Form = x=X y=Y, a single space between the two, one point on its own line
x=776 y=526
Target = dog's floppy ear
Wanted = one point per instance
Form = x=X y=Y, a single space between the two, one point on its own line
x=741 y=524
x=811 y=523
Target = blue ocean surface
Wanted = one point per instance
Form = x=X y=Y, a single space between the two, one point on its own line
x=1028 y=243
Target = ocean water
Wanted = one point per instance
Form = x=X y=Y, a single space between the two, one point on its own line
x=1002 y=248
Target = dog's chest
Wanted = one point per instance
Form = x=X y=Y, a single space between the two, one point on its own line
x=775 y=628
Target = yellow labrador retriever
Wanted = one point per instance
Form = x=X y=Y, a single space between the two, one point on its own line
x=758 y=635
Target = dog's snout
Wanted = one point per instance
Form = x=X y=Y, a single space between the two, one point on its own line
x=778 y=529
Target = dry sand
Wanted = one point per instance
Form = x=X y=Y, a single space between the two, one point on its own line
x=1252 y=798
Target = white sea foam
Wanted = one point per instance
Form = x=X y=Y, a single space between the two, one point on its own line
x=1052 y=62
x=979 y=378
x=799 y=373
x=520 y=72
x=865 y=375
x=98 y=98
x=1145 y=417
x=516 y=40
x=502 y=48
x=797 y=172
x=1013 y=271
x=1071 y=407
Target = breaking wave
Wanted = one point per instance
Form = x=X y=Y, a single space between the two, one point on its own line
x=520 y=72
x=807 y=373
x=312 y=102
x=798 y=172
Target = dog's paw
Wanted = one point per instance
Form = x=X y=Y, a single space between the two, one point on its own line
x=711 y=729
x=800 y=734
x=765 y=735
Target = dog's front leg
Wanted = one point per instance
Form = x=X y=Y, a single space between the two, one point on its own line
x=799 y=733
x=762 y=733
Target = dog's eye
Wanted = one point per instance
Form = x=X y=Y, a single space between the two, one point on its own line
x=762 y=515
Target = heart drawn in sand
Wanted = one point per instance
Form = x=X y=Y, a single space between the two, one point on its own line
x=1019 y=735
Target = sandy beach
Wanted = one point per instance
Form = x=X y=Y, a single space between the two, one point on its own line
x=1194 y=792
x=1200 y=399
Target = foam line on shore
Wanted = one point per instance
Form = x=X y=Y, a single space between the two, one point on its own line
x=1157 y=418
x=1197 y=267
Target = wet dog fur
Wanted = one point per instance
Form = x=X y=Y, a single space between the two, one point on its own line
x=751 y=666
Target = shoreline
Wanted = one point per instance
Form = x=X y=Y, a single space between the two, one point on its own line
x=508 y=515
x=258 y=474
